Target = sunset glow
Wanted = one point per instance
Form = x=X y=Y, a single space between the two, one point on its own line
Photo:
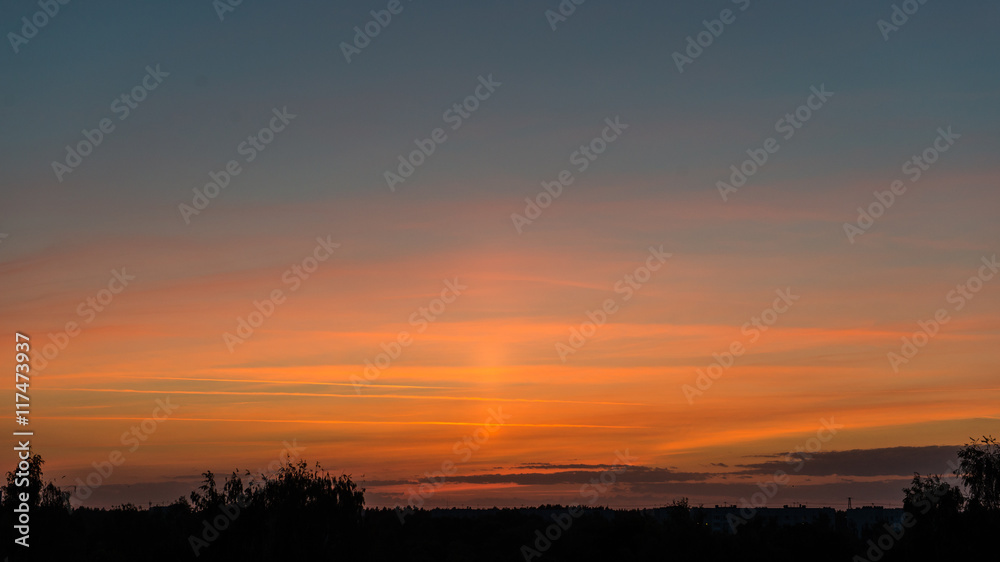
x=465 y=314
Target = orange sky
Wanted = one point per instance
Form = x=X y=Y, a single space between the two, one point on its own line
x=493 y=347
x=480 y=312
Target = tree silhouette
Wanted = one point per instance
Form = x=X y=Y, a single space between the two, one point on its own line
x=979 y=469
x=293 y=509
x=930 y=496
x=53 y=496
x=209 y=496
x=233 y=491
x=34 y=483
x=303 y=512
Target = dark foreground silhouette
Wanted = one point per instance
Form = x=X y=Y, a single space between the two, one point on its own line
x=311 y=515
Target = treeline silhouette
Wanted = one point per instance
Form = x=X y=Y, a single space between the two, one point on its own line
x=307 y=513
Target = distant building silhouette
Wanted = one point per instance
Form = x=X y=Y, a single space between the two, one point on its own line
x=869 y=517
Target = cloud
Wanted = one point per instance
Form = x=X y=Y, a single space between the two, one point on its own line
x=899 y=461
x=545 y=466
x=634 y=474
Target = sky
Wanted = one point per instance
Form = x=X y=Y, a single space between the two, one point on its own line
x=494 y=253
